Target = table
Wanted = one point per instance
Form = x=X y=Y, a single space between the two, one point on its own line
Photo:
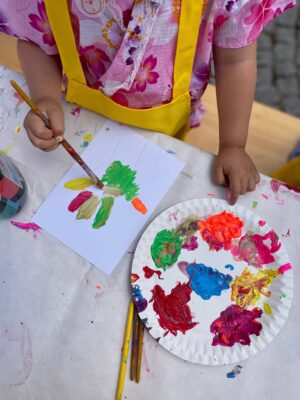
x=62 y=320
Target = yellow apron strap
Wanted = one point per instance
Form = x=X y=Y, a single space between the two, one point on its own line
x=188 y=31
x=60 y=22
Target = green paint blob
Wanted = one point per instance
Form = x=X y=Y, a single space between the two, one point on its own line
x=103 y=212
x=123 y=177
x=166 y=248
x=254 y=204
x=87 y=209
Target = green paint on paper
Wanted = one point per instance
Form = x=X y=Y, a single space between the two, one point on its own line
x=254 y=204
x=166 y=248
x=87 y=209
x=103 y=212
x=282 y=296
x=123 y=177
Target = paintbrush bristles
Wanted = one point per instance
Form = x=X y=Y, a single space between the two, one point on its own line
x=134 y=345
x=140 y=351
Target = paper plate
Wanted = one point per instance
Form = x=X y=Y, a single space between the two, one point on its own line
x=212 y=282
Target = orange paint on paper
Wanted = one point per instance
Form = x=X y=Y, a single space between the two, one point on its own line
x=98 y=286
x=139 y=206
x=247 y=288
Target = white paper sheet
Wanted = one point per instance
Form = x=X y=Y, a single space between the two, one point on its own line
x=156 y=170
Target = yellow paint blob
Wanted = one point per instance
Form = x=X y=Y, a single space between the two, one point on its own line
x=88 y=137
x=87 y=209
x=17 y=129
x=79 y=184
x=267 y=308
x=247 y=288
x=6 y=150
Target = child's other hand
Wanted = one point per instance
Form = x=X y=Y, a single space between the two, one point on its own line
x=38 y=134
x=233 y=167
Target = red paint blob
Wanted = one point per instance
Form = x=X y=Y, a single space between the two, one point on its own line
x=148 y=272
x=262 y=223
x=173 y=312
x=81 y=198
x=235 y=325
x=134 y=277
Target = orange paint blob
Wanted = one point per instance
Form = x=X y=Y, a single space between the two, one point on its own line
x=139 y=206
x=98 y=286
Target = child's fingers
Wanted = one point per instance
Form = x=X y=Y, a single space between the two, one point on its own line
x=251 y=184
x=244 y=185
x=234 y=187
x=43 y=144
x=219 y=176
x=34 y=124
x=257 y=177
x=57 y=122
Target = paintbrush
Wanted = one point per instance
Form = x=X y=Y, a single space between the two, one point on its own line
x=59 y=139
x=134 y=345
x=125 y=351
x=139 y=351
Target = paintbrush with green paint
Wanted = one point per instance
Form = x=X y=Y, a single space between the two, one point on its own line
x=59 y=139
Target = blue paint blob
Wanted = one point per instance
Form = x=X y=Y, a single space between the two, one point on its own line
x=229 y=266
x=207 y=281
x=138 y=299
x=236 y=371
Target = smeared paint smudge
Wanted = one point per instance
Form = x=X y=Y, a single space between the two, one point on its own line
x=211 y=195
x=173 y=312
x=88 y=208
x=254 y=204
x=229 y=266
x=284 y=268
x=275 y=185
x=148 y=273
x=219 y=230
x=206 y=281
x=191 y=243
x=282 y=296
x=17 y=129
x=267 y=309
x=236 y=371
x=261 y=223
x=26 y=226
x=182 y=265
x=98 y=286
x=173 y=216
x=6 y=150
x=75 y=111
x=134 y=278
x=79 y=200
x=235 y=325
x=188 y=227
x=138 y=299
x=166 y=248
x=170 y=151
x=287 y=235
x=247 y=288
x=103 y=212
x=265 y=196
x=79 y=184
x=252 y=248
x=139 y=206
x=86 y=139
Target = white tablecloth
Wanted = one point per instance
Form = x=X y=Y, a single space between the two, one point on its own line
x=62 y=320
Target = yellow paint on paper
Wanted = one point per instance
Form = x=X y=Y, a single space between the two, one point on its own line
x=267 y=308
x=79 y=184
x=88 y=137
x=17 y=129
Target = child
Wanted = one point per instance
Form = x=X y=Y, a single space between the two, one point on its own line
x=145 y=63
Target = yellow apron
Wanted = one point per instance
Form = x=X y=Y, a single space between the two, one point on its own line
x=171 y=118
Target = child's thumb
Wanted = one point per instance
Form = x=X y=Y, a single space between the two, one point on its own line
x=57 y=121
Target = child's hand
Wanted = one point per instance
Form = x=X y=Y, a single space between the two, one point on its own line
x=38 y=134
x=233 y=167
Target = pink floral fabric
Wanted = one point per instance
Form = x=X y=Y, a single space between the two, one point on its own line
x=127 y=47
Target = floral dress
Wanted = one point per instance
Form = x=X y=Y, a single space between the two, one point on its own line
x=127 y=47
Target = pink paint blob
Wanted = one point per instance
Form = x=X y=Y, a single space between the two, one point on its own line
x=235 y=325
x=191 y=243
x=148 y=273
x=284 y=268
x=26 y=226
x=275 y=185
x=261 y=223
x=253 y=249
x=81 y=198
x=265 y=196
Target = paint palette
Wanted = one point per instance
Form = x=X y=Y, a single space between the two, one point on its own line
x=212 y=282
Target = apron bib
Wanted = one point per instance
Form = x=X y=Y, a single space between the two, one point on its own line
x=171 y=118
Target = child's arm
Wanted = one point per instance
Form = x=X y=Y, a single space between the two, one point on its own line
x=43 y=74
x=235 y=85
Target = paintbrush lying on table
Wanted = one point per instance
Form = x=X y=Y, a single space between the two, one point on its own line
x=59 y=139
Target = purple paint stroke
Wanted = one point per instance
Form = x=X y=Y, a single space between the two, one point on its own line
x=191 y=243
